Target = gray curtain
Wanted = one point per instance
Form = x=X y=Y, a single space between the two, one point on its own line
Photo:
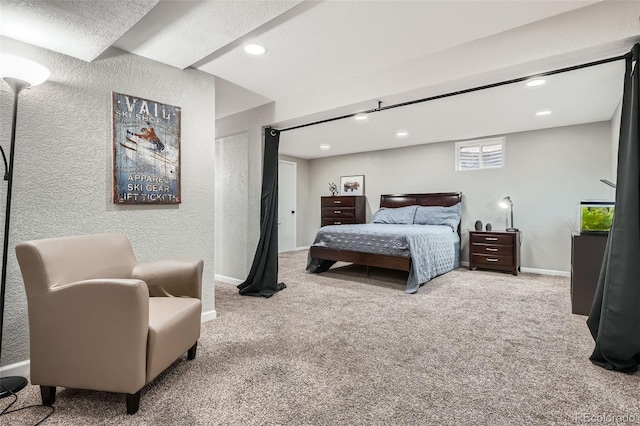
x=263 y=277
x=614 y=320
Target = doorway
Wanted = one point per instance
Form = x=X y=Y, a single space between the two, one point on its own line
x=287 y=171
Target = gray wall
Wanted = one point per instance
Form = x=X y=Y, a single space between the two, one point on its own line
x=547 y=173
x=615 y=141
x=63 y=166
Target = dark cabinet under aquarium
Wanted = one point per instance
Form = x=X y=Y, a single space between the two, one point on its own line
x=587 y=252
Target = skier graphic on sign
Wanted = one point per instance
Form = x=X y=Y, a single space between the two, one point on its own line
x=149 y=134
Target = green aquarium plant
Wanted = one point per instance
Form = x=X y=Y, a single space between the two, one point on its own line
x=596 y=218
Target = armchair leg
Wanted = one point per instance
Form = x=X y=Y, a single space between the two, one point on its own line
x=191 y=353
x=48 y=394
x=133 y=402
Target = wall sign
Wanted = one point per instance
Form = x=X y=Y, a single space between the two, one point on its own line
x=146 y=151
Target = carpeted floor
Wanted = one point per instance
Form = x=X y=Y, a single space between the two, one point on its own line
x=341 y=348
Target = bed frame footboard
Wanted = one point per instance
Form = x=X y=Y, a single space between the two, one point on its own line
x=382 y=261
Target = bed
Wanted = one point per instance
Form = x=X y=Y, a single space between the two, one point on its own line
x=417 y=233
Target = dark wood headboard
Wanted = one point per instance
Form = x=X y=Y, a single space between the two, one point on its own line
x=444 y=199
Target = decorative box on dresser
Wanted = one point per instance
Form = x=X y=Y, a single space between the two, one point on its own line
x=497 y=250
x=341 y=210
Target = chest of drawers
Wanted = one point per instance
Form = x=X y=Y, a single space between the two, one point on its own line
x=495 y=250
x=343 y=210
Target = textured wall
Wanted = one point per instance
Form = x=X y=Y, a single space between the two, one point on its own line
x=244 y=128
x=63 y=166
x=547 y=173
x=232 y=180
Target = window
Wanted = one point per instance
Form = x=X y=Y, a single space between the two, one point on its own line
x=480 y=154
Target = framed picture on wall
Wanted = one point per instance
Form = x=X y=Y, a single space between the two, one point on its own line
x=352 y=185
x=146 y=151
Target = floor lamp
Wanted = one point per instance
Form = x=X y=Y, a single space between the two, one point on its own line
x=18 y=73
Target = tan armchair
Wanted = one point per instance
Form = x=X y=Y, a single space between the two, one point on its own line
x=99 y=320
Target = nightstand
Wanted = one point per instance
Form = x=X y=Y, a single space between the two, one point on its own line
x=496 y=250
x=343 y=210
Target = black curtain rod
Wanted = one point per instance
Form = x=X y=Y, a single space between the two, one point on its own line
x=461 y=92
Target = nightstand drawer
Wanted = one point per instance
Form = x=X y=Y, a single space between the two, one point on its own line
x=480 y=260
x=338 y=201
x=338 y=212
x=492 y=250
x=337 y=221
x=485 y=238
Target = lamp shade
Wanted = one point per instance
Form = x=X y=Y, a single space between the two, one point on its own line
x=22 y=69
x=506 y=202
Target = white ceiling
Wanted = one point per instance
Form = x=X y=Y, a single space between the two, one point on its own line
x=582 y=96
x=336 y=40
x=335 y=57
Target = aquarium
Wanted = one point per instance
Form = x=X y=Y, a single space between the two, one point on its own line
x=596 y=216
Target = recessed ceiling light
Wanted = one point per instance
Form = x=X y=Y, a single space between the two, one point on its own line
x=543 y=112
x=325 y=147
x=402 y=133
x=255 y=49
x=361 y=117
x=537 y=82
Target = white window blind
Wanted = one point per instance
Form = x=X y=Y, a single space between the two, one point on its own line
x=480 y=154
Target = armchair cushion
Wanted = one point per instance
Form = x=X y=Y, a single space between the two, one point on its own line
x=174 y=324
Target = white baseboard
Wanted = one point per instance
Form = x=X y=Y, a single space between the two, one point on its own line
x=227 y=280
x=235 y=281
x=208 y=316
x=465 y=263
x=21 y=368
x=546 y=272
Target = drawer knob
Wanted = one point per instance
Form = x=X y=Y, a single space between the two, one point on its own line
x=491 y=249
x=491 y=260
x=337 y=211
x=491 y=239
x=337 y=223
x=337 y=202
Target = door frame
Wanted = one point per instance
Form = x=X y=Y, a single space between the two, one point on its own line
x=294 y=190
